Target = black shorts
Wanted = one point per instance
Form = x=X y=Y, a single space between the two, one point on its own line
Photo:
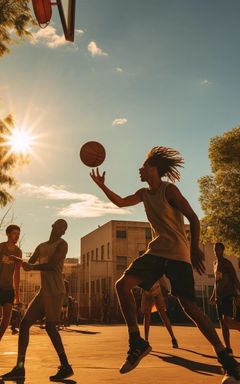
x=6 y=296
x=151 y=267
x=226 y=306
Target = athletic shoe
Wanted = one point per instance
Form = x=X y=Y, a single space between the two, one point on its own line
x=63 y=372
x=174 y=343
x=229 y=364
x=137 y=351
x=14 y=374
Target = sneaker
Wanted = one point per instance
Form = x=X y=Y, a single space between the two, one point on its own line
x=229 y=364
x=174 y=343
x=137 y=351
x=15 y=373
x=63 y=372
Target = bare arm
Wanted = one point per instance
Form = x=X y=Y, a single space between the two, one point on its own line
x=58 y=255
x=176 y=199
x=16 y=278
x=113 y=197
x=34 y=256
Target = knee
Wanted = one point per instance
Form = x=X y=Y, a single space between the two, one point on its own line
x=25 y=324
x=50 y=327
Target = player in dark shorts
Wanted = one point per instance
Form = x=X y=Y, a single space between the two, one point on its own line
x=47 y=302
x=10 y=262
x=224 y=294
x=168 y=253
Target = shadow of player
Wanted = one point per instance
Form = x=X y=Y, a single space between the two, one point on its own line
x=195 y=366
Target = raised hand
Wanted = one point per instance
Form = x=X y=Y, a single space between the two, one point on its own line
x=97 y=178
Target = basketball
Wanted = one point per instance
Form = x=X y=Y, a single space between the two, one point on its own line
x=229 y=380
x=92 y=154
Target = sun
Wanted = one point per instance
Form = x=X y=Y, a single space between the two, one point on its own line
x=20 y=141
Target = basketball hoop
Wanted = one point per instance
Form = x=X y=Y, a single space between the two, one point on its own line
x=66 y=8
x=43 y=11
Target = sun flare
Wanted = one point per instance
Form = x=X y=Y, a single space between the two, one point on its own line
x=20 y=141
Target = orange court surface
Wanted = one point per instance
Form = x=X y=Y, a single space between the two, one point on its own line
x=97 y=351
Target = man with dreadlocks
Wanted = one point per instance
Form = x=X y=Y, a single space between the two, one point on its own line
x=168 y=253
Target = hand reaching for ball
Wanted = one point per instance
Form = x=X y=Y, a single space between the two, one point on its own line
x=97 y=178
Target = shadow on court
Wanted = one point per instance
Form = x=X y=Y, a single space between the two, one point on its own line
x=195 y=366
x=22 y=381
x=80 y=331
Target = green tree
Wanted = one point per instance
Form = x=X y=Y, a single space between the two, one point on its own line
x=8 y=161
x=15 y=20
x=220 y=192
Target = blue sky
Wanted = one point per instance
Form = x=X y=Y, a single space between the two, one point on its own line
x=140 y=74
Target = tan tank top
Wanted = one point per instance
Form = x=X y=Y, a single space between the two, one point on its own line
x=169 y=235
x=52 y=282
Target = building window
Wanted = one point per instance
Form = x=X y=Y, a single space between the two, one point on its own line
x=103 y=283
x=148 y=234
x=92 y=287
x=92 y=255
x=121 y=263
x=96 y=254
x=83 y=259
x=102 y=252
x=87 y=288
x=88 y=258
x=108 y=250
x=121 y=234
x=97 y=286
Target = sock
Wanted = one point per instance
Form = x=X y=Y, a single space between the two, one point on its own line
x=20 y=361
x=134 y=334
x=63 y=358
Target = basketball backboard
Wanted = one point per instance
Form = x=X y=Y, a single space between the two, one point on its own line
x=66 y=10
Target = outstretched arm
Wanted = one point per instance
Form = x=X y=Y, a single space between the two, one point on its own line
x=176 y=199
x=113 y=197
x=58 y=255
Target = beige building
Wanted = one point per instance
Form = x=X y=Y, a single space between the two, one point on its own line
x=108 y=250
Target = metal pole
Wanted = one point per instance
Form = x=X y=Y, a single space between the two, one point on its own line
x=89 y=289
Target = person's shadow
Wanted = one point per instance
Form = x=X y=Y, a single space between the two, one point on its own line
x=22 y=381
x=195 y=366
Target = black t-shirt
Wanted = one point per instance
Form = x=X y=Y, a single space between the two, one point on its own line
x=225 y=283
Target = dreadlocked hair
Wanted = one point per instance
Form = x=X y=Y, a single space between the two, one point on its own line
x=166 y=160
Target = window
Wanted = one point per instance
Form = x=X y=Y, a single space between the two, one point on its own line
x=103 y=283
x=97 y=286
x=121 y=234
x=83 y=259
x=108 y=250
x=92 y=287
x=92 y=255
x=87 y=288
x=102 y=252
x=121 y=262
x=96 y=254
x=88 y=258
x=148 y=234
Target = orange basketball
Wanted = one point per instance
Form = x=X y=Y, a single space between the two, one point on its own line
x=42 y=10
x=92 y=154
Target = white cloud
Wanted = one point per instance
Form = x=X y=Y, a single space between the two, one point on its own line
x=92 y=207
x=121 y=121
x=206 y=82
x=95 y=50
x=87 y=205
x=118 y=69
x=48 y=36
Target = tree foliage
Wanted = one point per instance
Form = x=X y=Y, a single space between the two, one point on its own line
x=8 y=161
x=220 y=192
x=15 y=20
